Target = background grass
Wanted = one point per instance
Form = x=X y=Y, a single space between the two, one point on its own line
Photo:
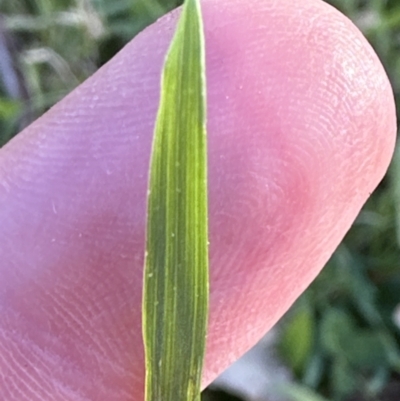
x=339 y=339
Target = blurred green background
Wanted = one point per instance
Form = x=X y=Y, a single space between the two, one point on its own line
x=340 y=340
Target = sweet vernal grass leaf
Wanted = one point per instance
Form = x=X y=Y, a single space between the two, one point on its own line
x=175 y=300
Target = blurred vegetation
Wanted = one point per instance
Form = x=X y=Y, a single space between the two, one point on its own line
x=340 y=338
x=48 y=47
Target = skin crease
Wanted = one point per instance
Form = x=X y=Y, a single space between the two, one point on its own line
x=301 y=131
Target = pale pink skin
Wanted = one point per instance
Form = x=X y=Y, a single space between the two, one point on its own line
x=301 y=131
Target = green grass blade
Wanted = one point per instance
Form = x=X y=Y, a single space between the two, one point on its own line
x=175 y=299
x=395 y=179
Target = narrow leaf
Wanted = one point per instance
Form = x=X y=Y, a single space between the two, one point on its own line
x=175 y=299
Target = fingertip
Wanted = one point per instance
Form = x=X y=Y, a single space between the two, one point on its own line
x=301 y=130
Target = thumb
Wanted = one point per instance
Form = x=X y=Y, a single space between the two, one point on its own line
x=301 y=130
